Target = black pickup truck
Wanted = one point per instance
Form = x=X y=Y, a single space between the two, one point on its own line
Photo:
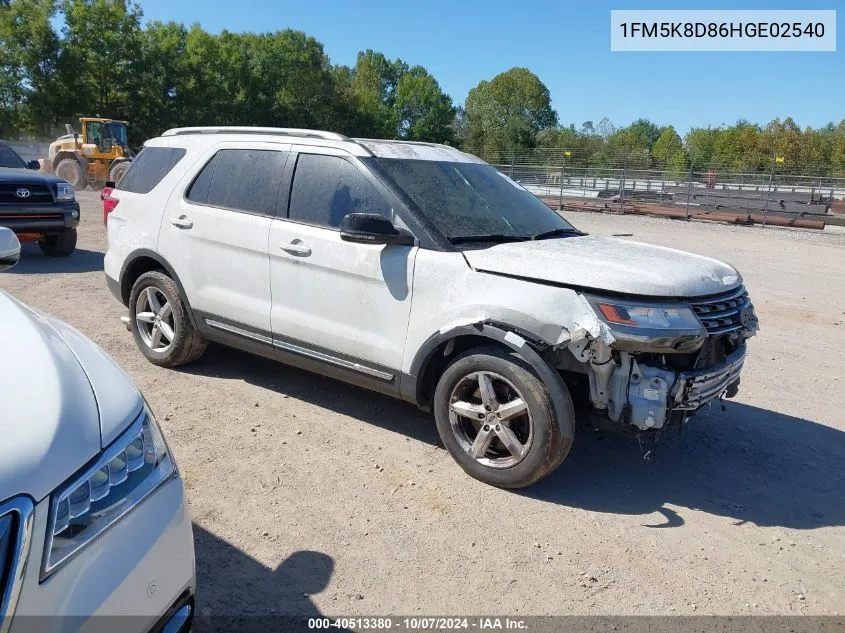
x=37 y=207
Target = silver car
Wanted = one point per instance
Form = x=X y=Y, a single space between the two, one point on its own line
x=93 y=519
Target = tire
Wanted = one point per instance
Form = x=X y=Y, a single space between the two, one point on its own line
x=59 y=245
x=71 y=170
x=118 y=170
x=544 y=438
x=156 y=297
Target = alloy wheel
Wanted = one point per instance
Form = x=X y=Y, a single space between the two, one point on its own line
x=154 y=319
x=490 y=419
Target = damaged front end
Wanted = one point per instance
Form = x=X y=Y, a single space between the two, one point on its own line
x=651 y=363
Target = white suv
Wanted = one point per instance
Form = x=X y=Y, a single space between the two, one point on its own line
x=421 y=272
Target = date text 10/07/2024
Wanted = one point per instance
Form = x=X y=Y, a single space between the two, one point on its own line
x=419 y=623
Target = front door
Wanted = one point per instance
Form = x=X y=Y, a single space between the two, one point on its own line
x=339 y=302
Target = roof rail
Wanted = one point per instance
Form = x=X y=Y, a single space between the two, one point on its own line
x=236 y=129
x=387 y=140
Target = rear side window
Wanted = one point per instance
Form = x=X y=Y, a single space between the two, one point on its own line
x=149 y=167
x=326 y=188
x=241 y=180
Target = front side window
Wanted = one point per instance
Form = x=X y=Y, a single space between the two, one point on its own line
x=8 y=158
x=326 y=188
x=241 y=180
x=94 y=132
x=466 y=200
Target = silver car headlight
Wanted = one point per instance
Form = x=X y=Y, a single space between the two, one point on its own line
x=125 y=474
x=64 y=191
x=632 y=315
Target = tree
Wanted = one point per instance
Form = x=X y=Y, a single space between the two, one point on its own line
x=738 y=148
x=423 y=111
x=634 y=143
x=31 y=92
x=701 y=143
x=667 y=145
x=374 y=83
x=161 y=101
x=782 y=139
x=505 y=114
x=102 y=44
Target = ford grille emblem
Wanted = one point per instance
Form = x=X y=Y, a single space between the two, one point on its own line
x=22 y=193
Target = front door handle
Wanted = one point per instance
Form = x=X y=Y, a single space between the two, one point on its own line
x=182 y=222
x=295 y=248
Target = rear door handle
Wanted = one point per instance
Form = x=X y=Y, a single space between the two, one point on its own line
x=183 y=222
x=295 y=248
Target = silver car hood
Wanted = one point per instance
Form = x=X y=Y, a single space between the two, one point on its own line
x=49 y=412
x=610 y=264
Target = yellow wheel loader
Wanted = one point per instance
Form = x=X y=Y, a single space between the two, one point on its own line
x=99 y=154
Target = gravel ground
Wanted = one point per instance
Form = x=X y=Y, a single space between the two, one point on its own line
x=312 y=496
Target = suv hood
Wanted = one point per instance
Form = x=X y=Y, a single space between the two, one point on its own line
x=20 y=176
x=609 y=264
x=50 y=423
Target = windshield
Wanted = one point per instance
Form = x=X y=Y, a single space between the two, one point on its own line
x=467 y=200
x=8 y=158
x=118 y=132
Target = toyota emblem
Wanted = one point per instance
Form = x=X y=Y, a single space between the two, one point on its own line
x=22 y=193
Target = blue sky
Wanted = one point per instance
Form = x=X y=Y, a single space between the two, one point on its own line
x=567 y=44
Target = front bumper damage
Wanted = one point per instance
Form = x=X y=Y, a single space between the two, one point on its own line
x=643 y=383
x=647 y=396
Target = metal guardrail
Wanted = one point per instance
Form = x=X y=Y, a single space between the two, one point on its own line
x=552 y=174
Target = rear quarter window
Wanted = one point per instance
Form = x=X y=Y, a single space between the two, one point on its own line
x=148 y=169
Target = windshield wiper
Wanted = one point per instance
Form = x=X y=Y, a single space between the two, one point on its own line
x=556 y=233
x=492 y=237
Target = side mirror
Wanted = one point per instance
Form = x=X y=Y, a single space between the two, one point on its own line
x=109 y=183
x=10 y=248
x=33 y=164
x=372 y=228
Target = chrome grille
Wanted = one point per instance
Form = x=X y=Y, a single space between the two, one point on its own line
x=722 y=313
x=15 y=532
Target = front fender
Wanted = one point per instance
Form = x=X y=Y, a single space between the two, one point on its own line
x=411 y=384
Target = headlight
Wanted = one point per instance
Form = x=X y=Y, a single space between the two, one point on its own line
x=64 y=191
x=648 y=317
x=125 y=474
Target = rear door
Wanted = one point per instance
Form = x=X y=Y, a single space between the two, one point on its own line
x=215 y=235
x=344 y=303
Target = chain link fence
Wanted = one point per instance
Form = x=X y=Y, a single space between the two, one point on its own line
x=570 y=179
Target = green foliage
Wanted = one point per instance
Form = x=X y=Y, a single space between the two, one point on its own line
x=104 y=61
x=505 y=114
x=161 y=75
x=423 y=110
x=30 y=58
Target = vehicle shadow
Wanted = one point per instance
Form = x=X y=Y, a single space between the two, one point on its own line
x=361 y=404
x=750 y=464
x=34 y=262
x=235 y=592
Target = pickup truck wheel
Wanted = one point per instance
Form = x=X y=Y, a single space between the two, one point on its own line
x=60 y=245
x=160 y=324
x=496 y=418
